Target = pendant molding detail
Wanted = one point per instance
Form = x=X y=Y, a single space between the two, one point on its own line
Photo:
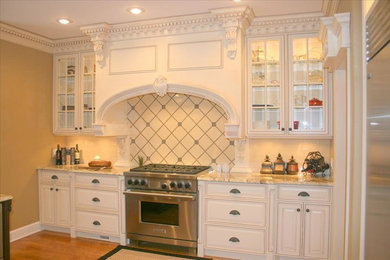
x=160 y=86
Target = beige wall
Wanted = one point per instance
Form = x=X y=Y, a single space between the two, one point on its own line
x=26 y=137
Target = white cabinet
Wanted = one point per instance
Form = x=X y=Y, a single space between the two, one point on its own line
x=232 y=219
x=98 y=206
x=74 y=93
x=303 y=221
x=287 y=93
x=54 y=199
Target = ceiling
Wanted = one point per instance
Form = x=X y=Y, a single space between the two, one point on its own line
x=40 y=16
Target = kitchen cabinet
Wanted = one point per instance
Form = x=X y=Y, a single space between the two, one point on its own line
x=287 y=93
x=233 y=219
x=54 y=199
x=74 y=93
x=303 y=221
x=98 y=206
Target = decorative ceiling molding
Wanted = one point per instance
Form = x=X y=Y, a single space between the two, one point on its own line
x=31 y=40
x=329 y=7
x=234 y=21
x=285 y=24
x=21 y=37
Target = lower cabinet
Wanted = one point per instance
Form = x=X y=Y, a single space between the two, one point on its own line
x=303 y=224
x=54 y=199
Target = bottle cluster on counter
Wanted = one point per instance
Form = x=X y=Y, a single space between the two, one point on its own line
x=279 y=166
x=67 y=156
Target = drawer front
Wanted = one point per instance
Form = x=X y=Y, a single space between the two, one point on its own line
x=97 y=199
x=97 y=223
x=235 y=239
x=304 y=193
x=54 y=177
x=251 y=213
x=96 y=181
x=232 y=190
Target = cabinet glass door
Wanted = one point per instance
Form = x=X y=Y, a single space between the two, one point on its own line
x=265 y=85
x=308 y=96
x=88 y=91
x=66 y=91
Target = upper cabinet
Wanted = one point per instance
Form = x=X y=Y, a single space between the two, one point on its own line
x=287 y=94
x=74 y=93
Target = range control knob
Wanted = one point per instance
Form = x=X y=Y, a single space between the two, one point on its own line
x=143 y=182
x=172 y=184
x=130 y=182
x=136 y=182
x=187 y=185
x=164 y=186
x=180 y=185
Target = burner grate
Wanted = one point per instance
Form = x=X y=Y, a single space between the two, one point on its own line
x=170 y=168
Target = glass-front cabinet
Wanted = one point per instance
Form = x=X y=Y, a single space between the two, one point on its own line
x=265 y=85
x=287 y=94
x=74 y=90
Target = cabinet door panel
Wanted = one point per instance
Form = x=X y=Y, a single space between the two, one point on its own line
x=62 y=206
x=289 y=229
x=46 y=194
x=316 y=231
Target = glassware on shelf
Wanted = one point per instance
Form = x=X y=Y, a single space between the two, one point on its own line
x=273 y=96
x=273 y=118
x=258 y=74
x=258 y=118
x=315 y=72
x=314 y=49
x=258 y=96
x=300 y=72
x=299 y=49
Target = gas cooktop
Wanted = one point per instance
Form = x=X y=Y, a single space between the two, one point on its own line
x=170 y=168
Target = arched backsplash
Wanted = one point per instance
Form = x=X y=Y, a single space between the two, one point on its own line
x=178 y=129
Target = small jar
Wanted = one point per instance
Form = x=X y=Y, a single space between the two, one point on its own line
x=279 y=165
x=266 y=166
x=292 y=166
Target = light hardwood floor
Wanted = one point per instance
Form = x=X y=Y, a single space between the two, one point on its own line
x=47 y=245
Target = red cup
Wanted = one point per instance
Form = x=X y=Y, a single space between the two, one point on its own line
x=296 y=125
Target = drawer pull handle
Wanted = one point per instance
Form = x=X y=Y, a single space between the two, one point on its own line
x=96 y=199
x=95 y=181
x=54 y=177
x=234 y=212
x=96 y=223
x=303 y=194
x=307 y=210
x=234 y=240
x=298 y=210
x=235 y=191
x=51 y=188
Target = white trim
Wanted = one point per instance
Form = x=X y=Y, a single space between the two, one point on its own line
x=25 y=231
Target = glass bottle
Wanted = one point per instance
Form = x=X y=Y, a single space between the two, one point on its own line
x=58 y=155
x=77 y=155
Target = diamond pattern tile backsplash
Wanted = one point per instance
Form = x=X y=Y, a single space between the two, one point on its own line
x=178 y=129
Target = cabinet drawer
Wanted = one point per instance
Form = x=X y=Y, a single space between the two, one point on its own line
x=54 y=177
x=235 y=239
x=251 y=213
x=96 y=181
x=97 y=199
x=232 y=190
x=97 y=223
x=304 y=193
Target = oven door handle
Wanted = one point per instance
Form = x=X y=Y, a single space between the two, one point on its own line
x=190 y=197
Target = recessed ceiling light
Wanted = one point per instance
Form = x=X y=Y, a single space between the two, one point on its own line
x=136 y=10
x=237 y=1
x=64 y=21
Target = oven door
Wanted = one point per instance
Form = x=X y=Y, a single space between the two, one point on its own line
x=162 y=214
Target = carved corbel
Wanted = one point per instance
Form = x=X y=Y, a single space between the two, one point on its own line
x=98 y=34
x=234 y=21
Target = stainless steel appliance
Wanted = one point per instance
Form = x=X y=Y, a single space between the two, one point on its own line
x=162 y=204
x=377 y=219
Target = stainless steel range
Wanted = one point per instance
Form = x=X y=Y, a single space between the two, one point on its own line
x=162 y=204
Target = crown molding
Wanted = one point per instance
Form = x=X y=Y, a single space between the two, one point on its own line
x=73 y=45
x=285 y=24
x=22 y=37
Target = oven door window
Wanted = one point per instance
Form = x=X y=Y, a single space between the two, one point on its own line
x=160 y=213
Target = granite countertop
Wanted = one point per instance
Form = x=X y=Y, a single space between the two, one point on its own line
x=84 y=168
x=266 y=178
x=4 y=197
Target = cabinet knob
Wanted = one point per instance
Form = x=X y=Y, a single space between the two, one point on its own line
x=289 y=129
x=307 y=210
x=56 y=189
x=95 y=181
x=96 y=223
x=75 y=128
x=80 y=128
x=298 y=210
x=303 y=194
x=234 y=240
x=54 y=177
x=96 y=199
x=51 y=188
x=282 y=129
x=235 y=191
x=234 y=212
